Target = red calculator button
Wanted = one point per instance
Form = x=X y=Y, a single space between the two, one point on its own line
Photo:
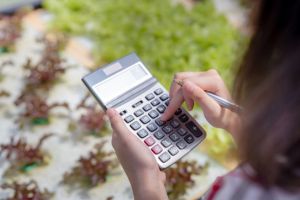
x=149 y=141
x=156 y=149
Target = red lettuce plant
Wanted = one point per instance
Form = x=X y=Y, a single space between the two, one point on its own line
x=26 y=191
x=92 y=169
x=22 y=156
x=10 y=31
x=44 y=73
x=179 y=177
x=36 y=109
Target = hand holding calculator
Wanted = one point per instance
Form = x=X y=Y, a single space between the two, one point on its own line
x=129 y=87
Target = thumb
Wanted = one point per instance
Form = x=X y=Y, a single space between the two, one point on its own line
x=116 y=121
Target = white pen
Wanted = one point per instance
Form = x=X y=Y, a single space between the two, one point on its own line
x=221 y=101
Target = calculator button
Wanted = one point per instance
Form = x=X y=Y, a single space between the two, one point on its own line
x=164 y=97
x=167 y=102
x=135 y=125
x=142 y=133
x=159 y=135
x=183 y=118
x=149 y=96
x=161 y=108
x=189 y=139
x=173 y=150
x=147 y=107
x=129 y=118
x=158 y=91
x=123 y=112
x=194 y=129
x=156 y=149
x=181 y=144
x=178 y=111
x=175 y=123
x=166 y=142
x=155 y=102
x=149 y=141
x=153 y=114
x=145 y=119
x=181 y=131
x=138 y=113
x=164 y=157
x=151 y=127
x=174 y=137
x=160 y=122
x=167 y=129
x=137 y=104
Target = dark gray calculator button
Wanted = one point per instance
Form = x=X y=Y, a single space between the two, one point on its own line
x=159 y=135
x=123 y=112
x=181 y=144
x=167 y=102
x=175 y=123
x=138 y=113
x=174 y=137
x=166 y=142
x=135 y=125
x=194 y=129
x=153 y=114
x=145 y=119
x=137 y=104
x=158 y=91
x=155 y=102
x=167 y=129
x=161 y=108
x=181 y=131
x=173 y=150
x=178 y=111
x=151 y=127
x=164 y=97
x=142 y=133
x=149 y=96
x=183 y=118
x=128 y=119
x=160 y=122
x=164 y=157
x=147 y=107
x=189 y=139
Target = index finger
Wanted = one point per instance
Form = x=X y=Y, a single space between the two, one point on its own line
x=174 y=104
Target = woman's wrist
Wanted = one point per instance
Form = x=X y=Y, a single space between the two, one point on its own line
x=148 y=185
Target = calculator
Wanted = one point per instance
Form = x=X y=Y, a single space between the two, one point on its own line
x=129 y=87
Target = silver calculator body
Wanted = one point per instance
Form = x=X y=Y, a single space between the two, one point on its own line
x=129 y=87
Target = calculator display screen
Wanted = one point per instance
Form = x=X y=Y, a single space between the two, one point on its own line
x=121 y=82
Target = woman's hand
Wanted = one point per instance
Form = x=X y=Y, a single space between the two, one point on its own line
x=193 y=90
x=139 y=164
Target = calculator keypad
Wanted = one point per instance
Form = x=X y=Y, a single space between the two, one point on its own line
x=166 y=139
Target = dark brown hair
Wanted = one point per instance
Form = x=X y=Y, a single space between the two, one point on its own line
x=268 y=86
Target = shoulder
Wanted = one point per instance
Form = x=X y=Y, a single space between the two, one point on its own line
x=241 y=184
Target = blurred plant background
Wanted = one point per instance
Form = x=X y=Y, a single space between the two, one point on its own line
x=168 y=37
